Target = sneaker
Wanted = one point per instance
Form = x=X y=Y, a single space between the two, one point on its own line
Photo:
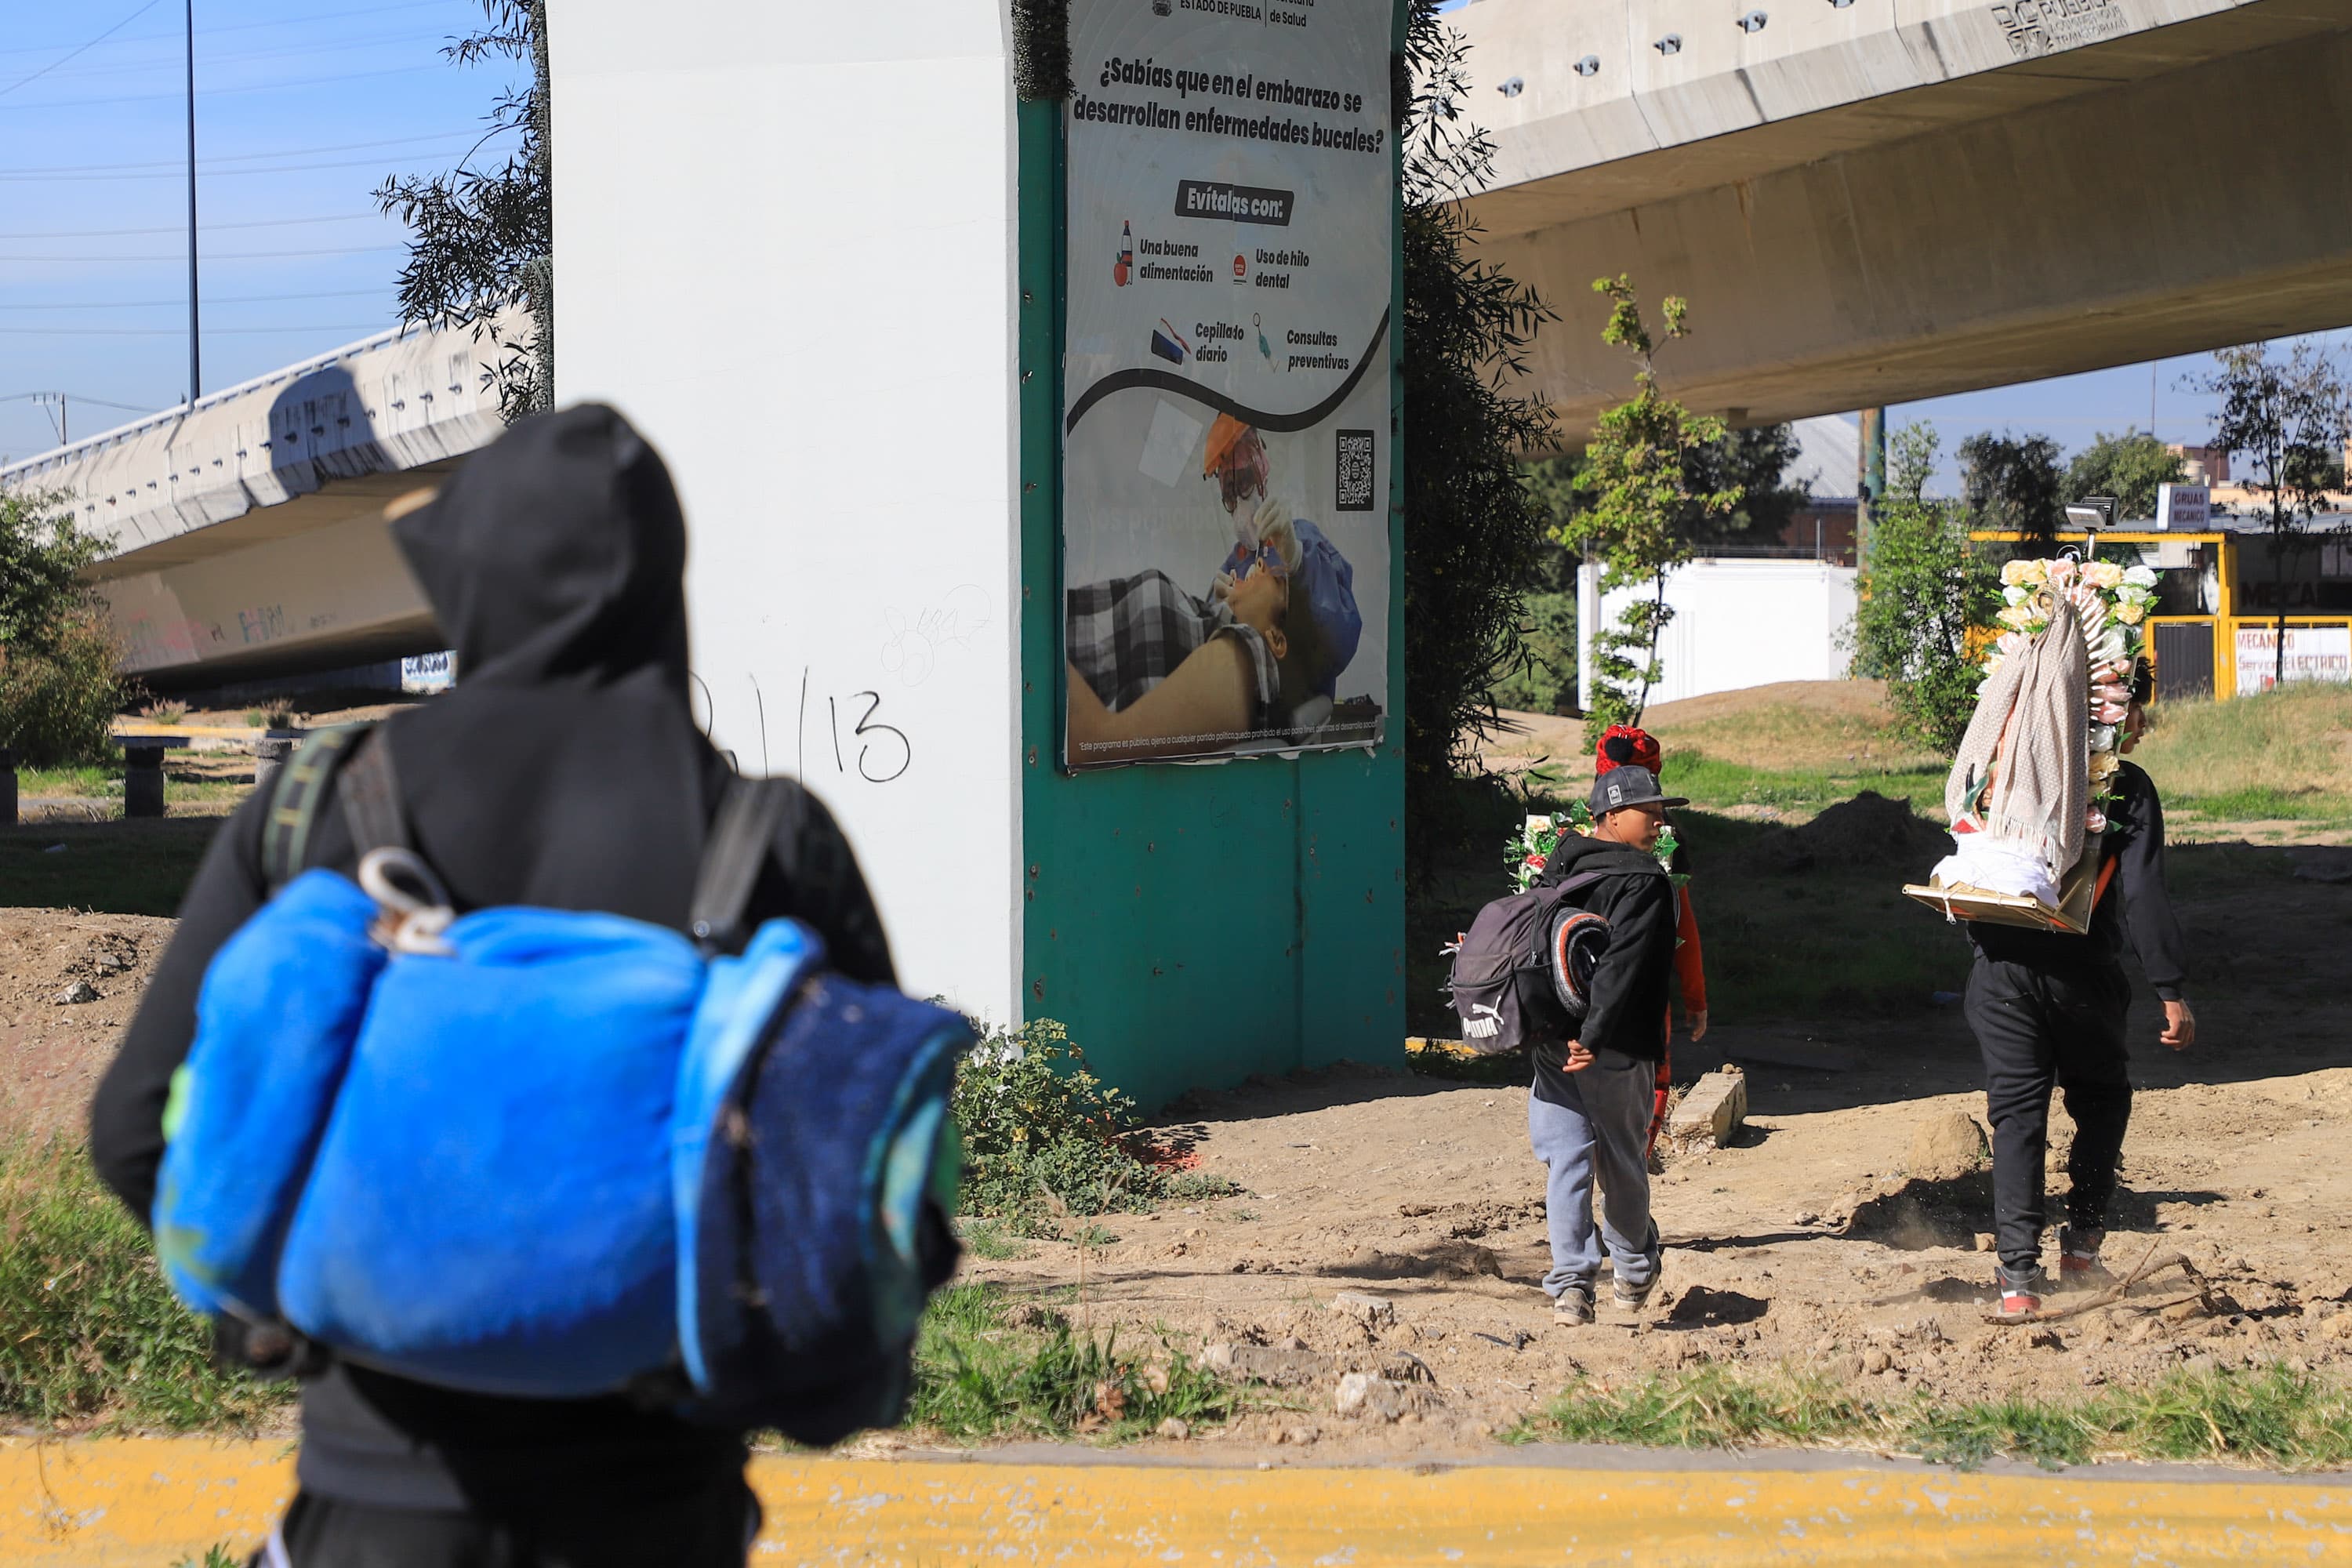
x=1633 y=1298
x=1572 y=1308
x=2020 y=1295
x=2079 y=1267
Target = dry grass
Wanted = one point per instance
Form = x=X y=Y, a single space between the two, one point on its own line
x=1792 y=726
x=2285 y=753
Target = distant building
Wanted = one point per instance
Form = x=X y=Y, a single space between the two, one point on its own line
x=2202 y=465
x=1762 y=610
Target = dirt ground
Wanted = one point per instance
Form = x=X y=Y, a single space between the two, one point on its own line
x=1820 y=1239
x=1809 y=1242
x=53 y=1050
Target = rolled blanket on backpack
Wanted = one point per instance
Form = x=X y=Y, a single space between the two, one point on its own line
x=2019 y=784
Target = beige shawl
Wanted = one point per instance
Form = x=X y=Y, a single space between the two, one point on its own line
x=2031 y=735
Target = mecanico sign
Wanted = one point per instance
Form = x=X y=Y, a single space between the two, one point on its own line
x=1226 y=419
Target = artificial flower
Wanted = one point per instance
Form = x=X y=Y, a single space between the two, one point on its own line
x=2016 y=593
x=2140 y=577
x=2131 y=612
x=2094 y=821
x=2102 y=575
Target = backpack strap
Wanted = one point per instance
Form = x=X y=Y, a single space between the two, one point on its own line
x=370 y=793
x=294 y=797
x=748 y=823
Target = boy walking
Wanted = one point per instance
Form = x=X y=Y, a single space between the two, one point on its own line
x=1589 y=1110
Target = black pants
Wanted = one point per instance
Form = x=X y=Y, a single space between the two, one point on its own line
x=2038 y=1028
x=700 y=1530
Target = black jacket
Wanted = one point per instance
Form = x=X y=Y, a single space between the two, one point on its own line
x=565 y=772
x=2136 y=898
x=1631 y=986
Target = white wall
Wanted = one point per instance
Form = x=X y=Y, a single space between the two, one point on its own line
x=786 y=251
x=1748 y=623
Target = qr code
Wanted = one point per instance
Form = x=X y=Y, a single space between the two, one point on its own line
x=1355 y=473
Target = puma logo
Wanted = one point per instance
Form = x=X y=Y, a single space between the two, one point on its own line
x=1484 y=1024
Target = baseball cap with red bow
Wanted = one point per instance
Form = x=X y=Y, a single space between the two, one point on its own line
x=1623 y=745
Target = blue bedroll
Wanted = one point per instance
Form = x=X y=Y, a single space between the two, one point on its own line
x=248 y=1105
x=814 y=1236
x=556 y=1154
x=490 y=1208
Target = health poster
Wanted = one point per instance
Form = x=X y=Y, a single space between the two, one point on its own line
x=1226 y=433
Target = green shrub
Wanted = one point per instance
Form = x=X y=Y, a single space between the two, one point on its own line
x=58 y=697
x=89 y=1331
x=1545 y=683
x=1041 y=1133
x=979 y=1374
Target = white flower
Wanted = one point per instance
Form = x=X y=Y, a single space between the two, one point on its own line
x=2102 y=737
x=2140 y=577
x=2016 y=593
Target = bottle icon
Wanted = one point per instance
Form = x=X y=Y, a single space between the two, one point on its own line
x=1126 y=262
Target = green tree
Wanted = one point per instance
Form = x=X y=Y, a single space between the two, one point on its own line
x=1646 y=510
x=1925 y=598
x=2128 y=467
x=2012 y=485
x=1752 y=462
x=482 y=239
x=59 y=687
x=1755 y=464
x=2287 y=417
x=1472 y=533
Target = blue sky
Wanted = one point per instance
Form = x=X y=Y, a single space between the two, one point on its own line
x=301 y=111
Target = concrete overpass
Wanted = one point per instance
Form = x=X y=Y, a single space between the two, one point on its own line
x=245 y=535
x=1870 y=201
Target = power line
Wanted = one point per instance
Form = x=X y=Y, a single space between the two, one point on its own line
x=77 y=397
x=181 y=172
x=226 y=91
x=246 y=26
x=388 y=41
x=233 y=256
x=179 y=228
x=209 y=299
x=61 y=59
x=175 y=165
x=178 y=332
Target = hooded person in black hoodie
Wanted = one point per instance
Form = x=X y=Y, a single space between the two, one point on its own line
x=1588 y=1111
x=564 y=772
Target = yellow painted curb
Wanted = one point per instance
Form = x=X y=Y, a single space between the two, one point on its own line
x=149 y=1503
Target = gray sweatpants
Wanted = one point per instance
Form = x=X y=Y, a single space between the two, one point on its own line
x=1603 y=1125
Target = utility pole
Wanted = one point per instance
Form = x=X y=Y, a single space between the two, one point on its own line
x=195 y=362
x=1872 y=479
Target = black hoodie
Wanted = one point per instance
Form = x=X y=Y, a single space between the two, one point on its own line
x=1631 y=986
x=563 y=772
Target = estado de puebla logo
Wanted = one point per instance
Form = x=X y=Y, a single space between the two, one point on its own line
x=1485 y=1023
